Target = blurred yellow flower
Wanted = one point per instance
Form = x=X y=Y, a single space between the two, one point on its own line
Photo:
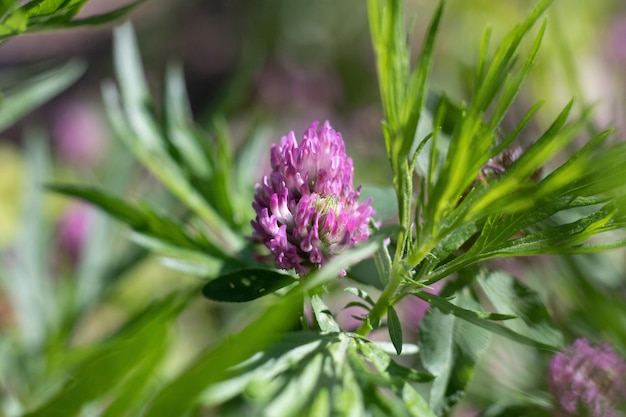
x=12 y=173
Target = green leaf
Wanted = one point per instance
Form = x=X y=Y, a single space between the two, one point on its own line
x=180 y=395
x=449 y=348
x=482 y=319
x=134 y=389
x=48 y=15
x=382 y=371
x=361 y=294
x=133 y=119
x=108 y=17
x=252 y=376
x=191 y=261
x=178 y=119
x=510 y=296
x=131 y=355
x=395 y=329
x=302 y=367
x=296 y=390
x=5 y=6
x=14 y=23
x=389 y=369
x=22 y=99
x=323 y=316
x=417 y=88
x=42 y=7
x=473 y=140
x=220 y=186
x=26 y=274
x=142 y=219
x=246 y=285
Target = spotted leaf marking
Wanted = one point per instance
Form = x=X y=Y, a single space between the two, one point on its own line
x=245 y=285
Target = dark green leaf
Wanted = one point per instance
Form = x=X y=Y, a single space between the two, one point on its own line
x=395 y=329
x=5 y=6
x=246 y=285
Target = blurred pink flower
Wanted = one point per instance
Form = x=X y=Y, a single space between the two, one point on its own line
x=588 y=379
x=615 y=42
x=412 y=309
x=73 y=229
x=78 y=131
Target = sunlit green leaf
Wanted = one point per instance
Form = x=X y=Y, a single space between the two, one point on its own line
x=14 y=23
x=181 y=394
x=131 y=355
x=323 y=315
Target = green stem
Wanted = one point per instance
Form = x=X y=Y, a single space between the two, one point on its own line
x=380 y=308
x=403 y=182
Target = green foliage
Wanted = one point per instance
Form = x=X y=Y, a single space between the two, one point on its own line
x=450 y=346
x=395 y=329
x=143 y=219
x=163 y=151
x=122 y=365
x=245 y=285
x=46 y=15
x=510 y=296
x=307 y=373
x=17 y=101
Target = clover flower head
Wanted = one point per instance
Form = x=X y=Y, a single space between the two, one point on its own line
x=588 y=380
x=307 y=210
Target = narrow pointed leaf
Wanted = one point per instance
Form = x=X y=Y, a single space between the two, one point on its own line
x=323 y=316
x=395 y=329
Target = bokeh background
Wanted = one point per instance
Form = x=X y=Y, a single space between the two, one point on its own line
x=271 y=66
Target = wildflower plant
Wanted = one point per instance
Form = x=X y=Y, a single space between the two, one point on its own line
x=466 y=191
